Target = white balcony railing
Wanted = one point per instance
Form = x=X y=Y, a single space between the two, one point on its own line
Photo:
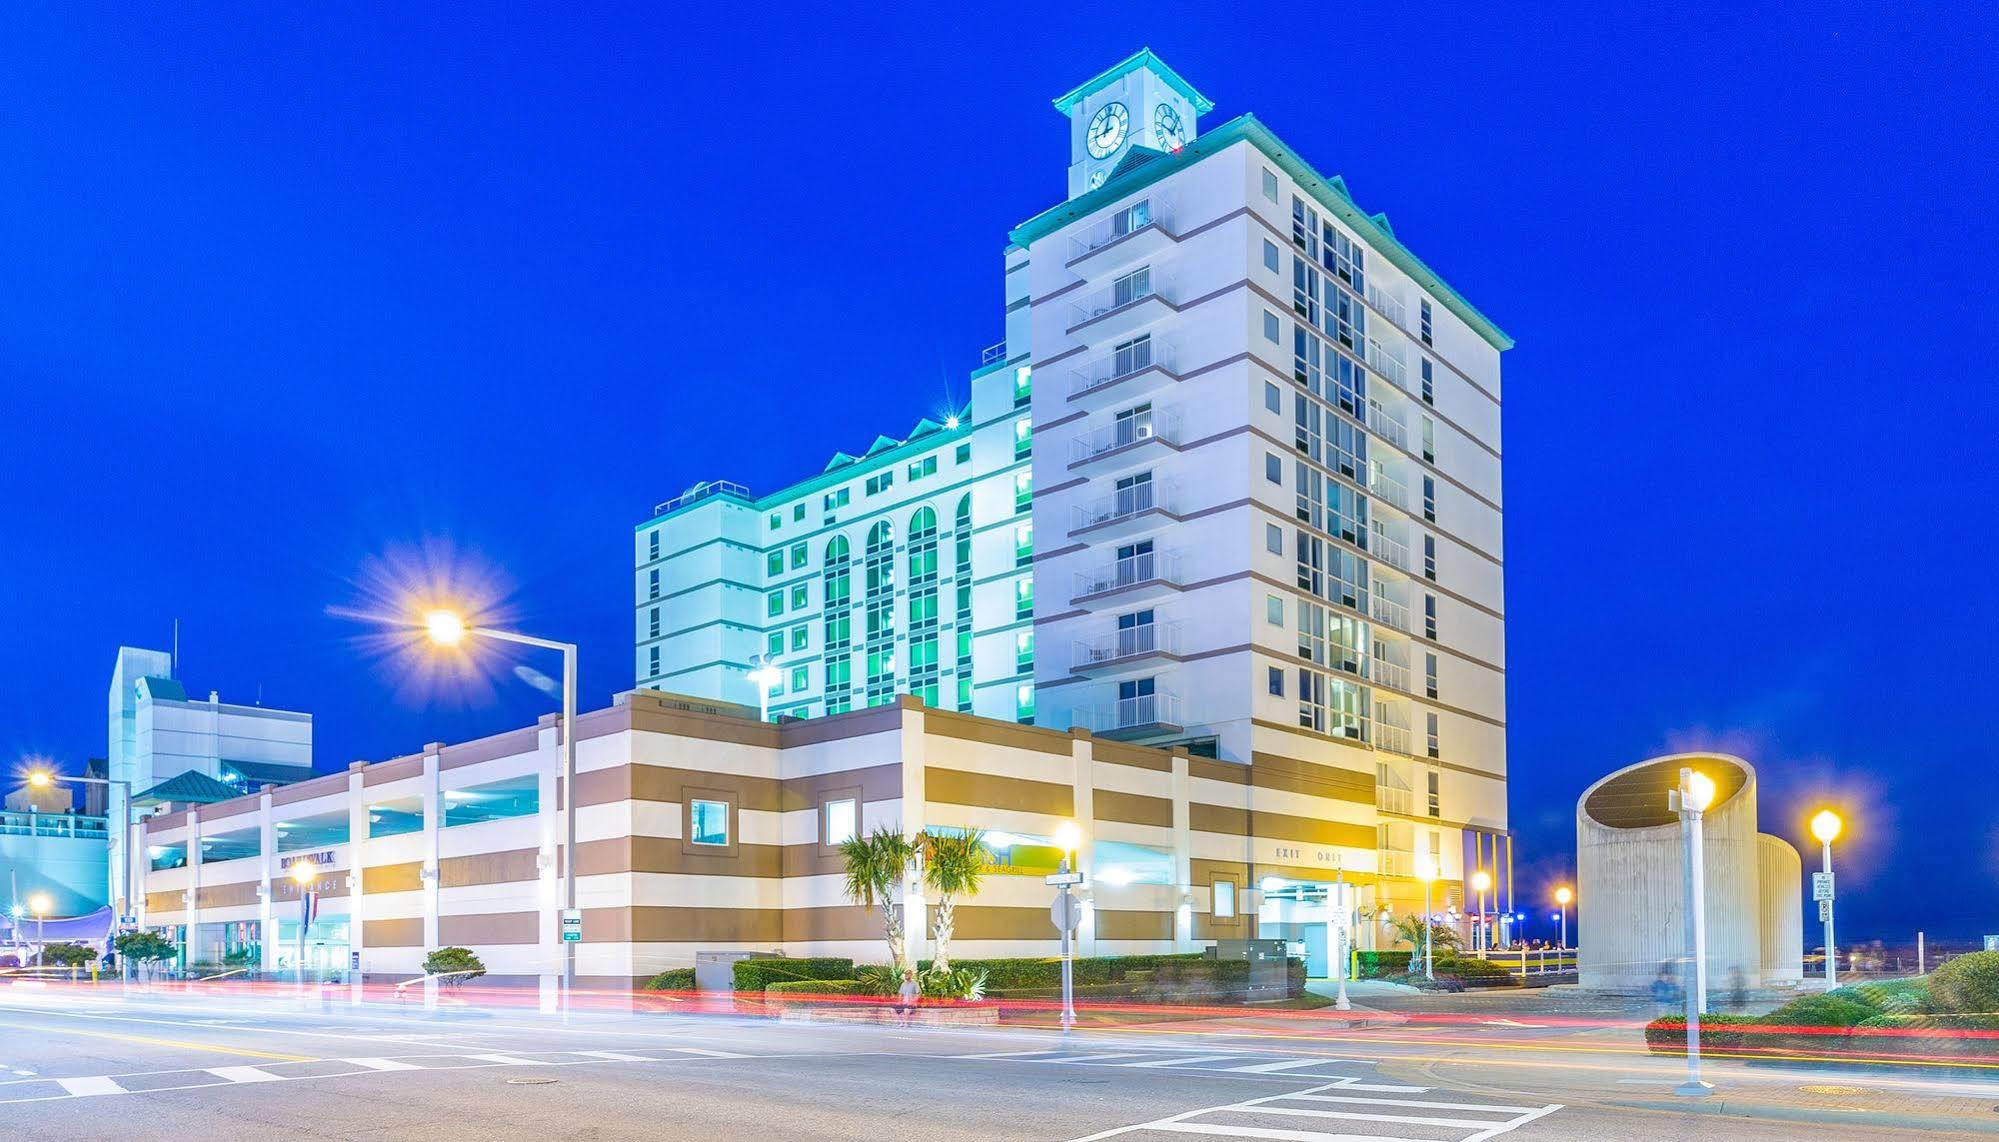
x=1388 y=672
x=1391 y=737
x=1387 y=547
x=1387 y=364
x=1162 y=424
x=1385 y=608
x=1116 y=366
x=1391 y=793
x=993 y=352
x=1389 y=305
x=1387 y=425
x=1386 y=486
x=1128 y=642
x=1396 y=862
x=1123 y=504
x=1133 y=218
x=1131 y=571
x=1126 y=291
x=1132 y=713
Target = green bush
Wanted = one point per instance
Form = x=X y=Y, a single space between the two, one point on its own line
x=1176 y=978
x=1812 y=1024
x=1966 y=985
x=753 y=976
x=457 y=965
x=1667 y=1034
x=1378 y=965
x=67 y=955
x=672 y=979
x=877 y=979
x=1473 y=972
x=794 y=987
x=1890 y=996
x=1937 y=1036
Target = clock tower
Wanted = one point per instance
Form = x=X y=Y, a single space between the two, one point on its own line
x=1140 y=103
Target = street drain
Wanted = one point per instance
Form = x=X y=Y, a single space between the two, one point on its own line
x=530 y=1082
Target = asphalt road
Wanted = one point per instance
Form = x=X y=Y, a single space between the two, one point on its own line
x=85 y=1063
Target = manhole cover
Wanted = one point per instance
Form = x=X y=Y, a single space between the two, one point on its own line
x=1821 y=1089
x=530 y=1082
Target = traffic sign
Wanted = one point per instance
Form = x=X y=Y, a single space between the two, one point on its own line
x=1067 y=913
x=572 y=925
x=1825 y=910
x=1061 y=878
x=1821 y=886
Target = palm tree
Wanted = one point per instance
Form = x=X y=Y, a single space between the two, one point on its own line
x=1409 y=930
x=875 y=867
x=952 y=866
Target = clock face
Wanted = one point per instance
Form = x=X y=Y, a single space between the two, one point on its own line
x=1108 y=129
x=1166 y=124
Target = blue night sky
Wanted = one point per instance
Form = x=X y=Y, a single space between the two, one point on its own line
x=296 y=304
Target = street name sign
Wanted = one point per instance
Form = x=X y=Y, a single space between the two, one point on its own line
x=1061 y=878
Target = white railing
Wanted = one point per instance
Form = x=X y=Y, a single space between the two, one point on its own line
x=1396 y=862
x=1128 y=642
x=1116 y=366
x=701 y=491
x=1130 y=220
x=1124 y=503
x=1386 y=486
x=1151 y=567
x=1389 y=672
x=1144 y=710
x=1391 y=737
x=1162 y=425
x=1386 y=546
x=1387 y=364
x=1118 y=295
x=1386 y=424
x=993 y=352
x=1390 y=306
x=1385 y=608
x=1391 y=793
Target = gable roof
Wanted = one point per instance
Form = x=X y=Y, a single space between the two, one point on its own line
x=190 y=788
x=1142 y=58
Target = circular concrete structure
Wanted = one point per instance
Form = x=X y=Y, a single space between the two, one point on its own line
x=1630 y=880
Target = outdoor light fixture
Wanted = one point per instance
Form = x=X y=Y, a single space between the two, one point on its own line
x=1699 y=792
x=40 y=904
x=39 y=779
x=445 y=628
x=303 y=872
x=1068 y=836
x=1563 y=895
x=1825 y=826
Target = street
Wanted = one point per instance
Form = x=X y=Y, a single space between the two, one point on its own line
x=90 y=1063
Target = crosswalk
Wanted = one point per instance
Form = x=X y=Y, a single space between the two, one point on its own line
x=1348 y=1103
x=45 y=1089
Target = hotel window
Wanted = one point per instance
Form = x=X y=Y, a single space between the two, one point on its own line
x=1430 y=733
x=800 y=635
x=798 y=595
x=652 y=623
x=801 y=678
x=1273 y=399
x=798 y=511
x=798 y=555
x=1273 y=332
x=1429 y=387
x=1430 y=498
x=1023 y=491
x=510 y=797
x=1224 y=905
x=160 y=858
x=1023 y=386
x=1023 y=702
x=835 y=499
x=1273 y=539
x=774 y=644
x=652 y=662
x=880 y=483
x=963 y=455
x=842 y=821
x=1023 y=438
x=1270 y=256
x=1273 y=610
x=921 y=468
x=1276 y=681
x=1269 y=192
x=1023 y=599
x=1023 y=652
x=1430 y=558
x=1273 y=469
x=1430 y=674
x=776 y=520
x=652 y=544
x=709 y=822
x=1436 y=804
x=774 y=563
x=774 y=603
x=1429 y=440
x=1430 y=617
x=1128 y=357
x=1023 y=545
x=652 y=583
x=1427 y=329
x=1131 y=287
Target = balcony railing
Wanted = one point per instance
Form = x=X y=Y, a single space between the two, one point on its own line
x=1147 y=354
x=1130 y=220
x=701 y=491
x=1389 y=305
x=1387 y=425
x=53 y=825
x=1123 y=504
x=1132 y=570
x=1388 y=672
x=1161 y=425
x=1133 y=713
x=1386 y=546
x=993 y=352
x=1128 y=642
x=1385 y=608
x=1387 y=364
x=1391 y=737
x=1119 y=295
x=1396 y=862
x=1387 y=487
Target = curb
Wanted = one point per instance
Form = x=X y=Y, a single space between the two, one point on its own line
x=1721 y=1108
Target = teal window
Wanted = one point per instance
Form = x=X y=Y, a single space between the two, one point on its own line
x=798 y=555
x=652 y=623
x=774 y=603
x=774 y=563
x=798 y=511
x=159 y=858
x=708 y=822
x=652 y=661
x=921 y=468
x=799 y=636
x=963 y=455
x=652 y=539
x=512 y=797
x=394 y=818
x=1023 y=599
x=1023 y=702
x=878 y=484
x=233 y=845
x=798 y=595
x=1023 y=652
x=964 y=694
x=801 y=678
x=776 y=520
x=774 y=644
x=1023 y=491
x=1023 y=545
x=1023 y=438
x=652 y=584
x=836 y=498
x=922 y=608
x=319 y=831
x=1023 y=386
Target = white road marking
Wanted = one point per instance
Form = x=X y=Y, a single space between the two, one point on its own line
x=383 y=1064
x=243 y=1074
x=704 y=1052
x=1180 y=1062
x=617 y=1057
x=1267 y=1068
x=1009 y=1054
x=1361 y=1116
x=95 y=1084
x=1425 y=1104
x=1100 y=1058
x=1277 y=1135
x=507 y=1060
x=1381 y=1112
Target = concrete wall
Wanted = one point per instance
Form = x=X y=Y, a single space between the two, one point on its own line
x=1779 y=876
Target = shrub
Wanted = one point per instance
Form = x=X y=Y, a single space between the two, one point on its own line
x=1966 y=985
x=672 y=979
x=1888 y=997
x=1473 y=972
x=67 y=955
x=1378 y=965
x=458 y=965
x=876 y=979
x=1667 y=1035
x=1812 y=1024
x=140 y=947
x=753 y=976
x=792 y=987
x=1945 y=1036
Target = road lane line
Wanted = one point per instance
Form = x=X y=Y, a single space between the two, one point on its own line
x=508 y=1060
x=1179 y=1062
x=1099 y=1058
x=1286 y=1065
x=243 y=1074
x=1361 y=1116
x=95 y=1084
x=1516 y=1124
x=383 y=1064
x=702 y=1051
x=147 y=1039
x=264 y=1030
x=618 y=1057
x=1275 y=1135
x=1424 y=1103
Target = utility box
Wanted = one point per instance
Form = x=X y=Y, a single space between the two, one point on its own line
x=1269 y=966
x=716 y=971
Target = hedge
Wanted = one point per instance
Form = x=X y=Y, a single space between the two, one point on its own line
x=1377 y=965
x=813 y=987
x=1951 y=1036
x=1668 y=1034
x=1965 y=985
x=1474 y=971
x=672 y=979
x=1188 y=977
x=1889 y=997
x=753 y=976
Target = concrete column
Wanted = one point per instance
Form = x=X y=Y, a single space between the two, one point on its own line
x=193 y=912
x=915 y=910
x=1183 y=854
x=433 y=820
x=267 y=871
x=551 y=859
x=1082 y=760
x=357 y=889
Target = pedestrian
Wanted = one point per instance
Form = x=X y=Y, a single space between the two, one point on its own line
x=908 y=996
x=1663 y=988
x=1738 y=989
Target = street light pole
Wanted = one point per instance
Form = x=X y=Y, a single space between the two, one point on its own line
x=1690 y=800
x=1562 y=897
x=1825 y=826
x=1429 y=924
x=43 y=778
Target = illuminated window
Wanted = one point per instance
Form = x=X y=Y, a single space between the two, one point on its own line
x=842 y=821
x=709 y=822
x=798 y=555
x=1224 y=906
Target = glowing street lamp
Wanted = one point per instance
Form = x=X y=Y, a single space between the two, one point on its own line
x=1825 y=827
x=1562 y=897
x=764 y=674
x=1067 y=837
x=448 y=628
x=1690 y=800
x=40 y=904
x=1481 y=880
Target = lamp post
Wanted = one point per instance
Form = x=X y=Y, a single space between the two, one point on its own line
x=1690 y=800
x=1825 y=827
x=1342 y=935
x=765 y=674
x=1067 y=837
x=1562 y=897
x=39 y=904
x=122 y=897
x=1428 y=876
x=1481 y=880
x=302 y=875
x=448 y=629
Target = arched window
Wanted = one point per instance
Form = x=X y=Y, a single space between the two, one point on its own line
x=878 y=571
x=961 y=542
x=838 y=646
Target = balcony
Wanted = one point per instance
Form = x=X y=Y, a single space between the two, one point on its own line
x=1131 y=236
x=1391 y=737
x=1391 y=793
x=1128 y=439
x=1127 y=511
x=1131 y=581
x=1134 y=370
x=1388 y=305
x=1388 y=365
x=1126 y=648
x=1387 y=425
x=1387 y=487
x=1386 y=671
x=1147 y=715
x=992 y=353
x=1121 y=309
x=1385 y=608
x=1387 y=547
x=1395 y=862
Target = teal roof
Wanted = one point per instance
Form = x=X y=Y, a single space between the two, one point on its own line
x=1144 y=58
x=190 y=788
x=168 y=688
x=1331 y=194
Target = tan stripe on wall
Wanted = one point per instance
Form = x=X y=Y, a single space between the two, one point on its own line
x=974 y=922
x=490 y=928
x=510 y=867
x=1133 y=925
x=991 y=791
x=1272 y=771
x=1132 y=808
x=406 y=877
x=1234 y=822
x=227 y=895
x=400 y=933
